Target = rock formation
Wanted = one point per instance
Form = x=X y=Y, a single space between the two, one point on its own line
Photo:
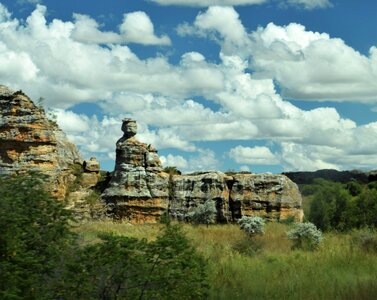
x=138 y=190
x=272 y=196
x=190 y=190
x=31 y=142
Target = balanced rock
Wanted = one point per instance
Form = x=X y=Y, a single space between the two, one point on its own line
x=29 y=141
x=91 y=165
x=138 y=190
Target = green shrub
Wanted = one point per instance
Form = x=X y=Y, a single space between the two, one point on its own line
x=305 y=236
x=34 y=231
x=366 y=239
x=41 y=259
x=252 y=225
x=247 y=246
x=204 y=213
x=354 y=188
x=128 y=268
x=288 y=221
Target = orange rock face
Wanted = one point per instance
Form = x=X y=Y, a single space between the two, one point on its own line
x=31 y=142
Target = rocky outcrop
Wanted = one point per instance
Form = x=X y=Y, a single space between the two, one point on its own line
x=188 y=191
x=138 y=191
x=84 y=194
x=31 y=142
x=272 y=196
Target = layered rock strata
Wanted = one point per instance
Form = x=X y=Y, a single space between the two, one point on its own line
x=31 y=142
x=138 y=191
x=270 y=196
x=188 y=191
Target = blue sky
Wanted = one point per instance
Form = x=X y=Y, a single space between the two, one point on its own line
x=259 y=85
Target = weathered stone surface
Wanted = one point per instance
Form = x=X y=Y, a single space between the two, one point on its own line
x=89 y=179
x=271 y=196
x=188 y=191
x=31 y=142
x=91 y=165
x=138 y=190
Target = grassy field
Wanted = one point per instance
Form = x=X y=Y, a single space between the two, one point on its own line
x=268 y=268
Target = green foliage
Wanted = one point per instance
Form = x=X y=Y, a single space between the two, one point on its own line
x=33 y=231
x=247 y=246
x=328 y=209
x=366 y=239
x=288 y=221
x=305 y=236
x=41 y=259
x=252 y=225
x=354 y=188
x=204 y=213
x=127 y=268
x=364 y=209
x=335 y=206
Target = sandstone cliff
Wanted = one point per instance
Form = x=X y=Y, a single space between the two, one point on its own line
x=31 y=142
x=140 y=192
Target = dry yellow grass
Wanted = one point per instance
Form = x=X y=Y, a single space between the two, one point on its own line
x=335 y=271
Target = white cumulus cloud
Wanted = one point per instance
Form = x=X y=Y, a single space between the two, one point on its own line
x=253 y=155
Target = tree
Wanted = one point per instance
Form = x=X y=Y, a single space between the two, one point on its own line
x=329 y=206
x=204 y=213
x=41 y=259
x=34 y=231
x=127 y=268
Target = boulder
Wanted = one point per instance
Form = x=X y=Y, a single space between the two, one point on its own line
x=91 y=165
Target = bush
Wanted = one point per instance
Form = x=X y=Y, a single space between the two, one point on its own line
x=128 y=268
x=41 y=259
x=204 y=213
x=366 y=239
x=247 y=246
x=305 y=236
x=252 y=225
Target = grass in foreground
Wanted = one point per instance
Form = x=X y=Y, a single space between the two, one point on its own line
x=271 y=270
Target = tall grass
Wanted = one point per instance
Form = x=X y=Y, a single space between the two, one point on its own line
x=334 y=271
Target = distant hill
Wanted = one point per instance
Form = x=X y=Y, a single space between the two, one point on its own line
x=333 y=175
